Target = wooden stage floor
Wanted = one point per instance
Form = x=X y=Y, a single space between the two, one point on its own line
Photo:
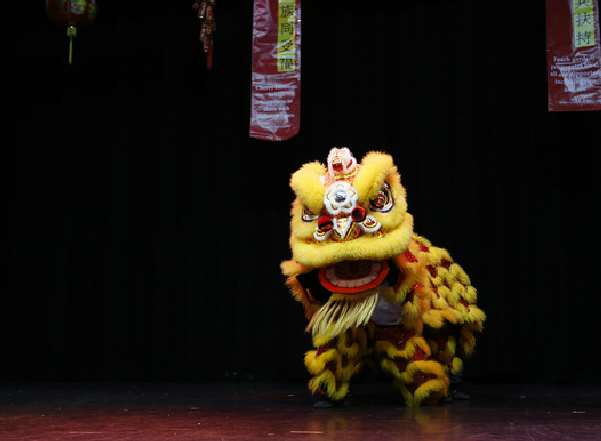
x=265 y=411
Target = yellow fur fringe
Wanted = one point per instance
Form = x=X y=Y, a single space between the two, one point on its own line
x=307 y=185
x=456 y=366
x=340 y=313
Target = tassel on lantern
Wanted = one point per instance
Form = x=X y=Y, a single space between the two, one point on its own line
x=71 y=33
x=71 y=13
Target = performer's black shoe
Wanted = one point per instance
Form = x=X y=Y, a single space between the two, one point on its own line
x=456 y=395
x=326 y=403
x=460 y=395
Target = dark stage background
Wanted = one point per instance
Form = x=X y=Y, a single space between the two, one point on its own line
x=146 y=229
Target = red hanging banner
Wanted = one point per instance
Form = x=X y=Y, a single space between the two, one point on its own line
x=276 y=63
x=573 y=55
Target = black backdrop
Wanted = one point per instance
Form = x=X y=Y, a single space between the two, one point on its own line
x=146 y=228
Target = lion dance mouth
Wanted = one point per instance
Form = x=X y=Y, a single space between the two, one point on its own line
x=370 y=286
x=353 y=277
x=353 y=288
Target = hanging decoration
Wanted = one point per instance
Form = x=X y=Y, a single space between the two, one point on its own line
x=71 y=13
x=205 y=9
x=573 y=55
x=276 y=64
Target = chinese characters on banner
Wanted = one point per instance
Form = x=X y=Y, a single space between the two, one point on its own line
x=286 y=55
x=583 y=23
x=573 y=55
x=275 y=94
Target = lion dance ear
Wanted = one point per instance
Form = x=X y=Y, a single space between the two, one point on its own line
x=375 y=168
x=308 y=186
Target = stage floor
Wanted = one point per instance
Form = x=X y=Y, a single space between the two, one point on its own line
x=257 y=411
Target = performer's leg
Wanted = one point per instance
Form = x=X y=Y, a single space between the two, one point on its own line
x=449 y=345
x=408 y=359
x=334 y=362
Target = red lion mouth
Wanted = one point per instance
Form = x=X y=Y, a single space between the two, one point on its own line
x=353 y=277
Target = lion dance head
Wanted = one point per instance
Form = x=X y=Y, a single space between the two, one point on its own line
x=349 y=224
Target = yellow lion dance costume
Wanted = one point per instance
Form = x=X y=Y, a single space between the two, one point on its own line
x=373 y=290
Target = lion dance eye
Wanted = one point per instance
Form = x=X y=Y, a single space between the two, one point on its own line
x=308 y=216
x=383 y=202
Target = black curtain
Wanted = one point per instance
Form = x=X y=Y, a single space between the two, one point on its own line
x=146 y=228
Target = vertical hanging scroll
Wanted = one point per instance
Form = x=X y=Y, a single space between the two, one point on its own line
x=276 y=80
x=573 y=55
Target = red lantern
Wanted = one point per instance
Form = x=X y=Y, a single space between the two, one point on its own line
x=71 y=13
